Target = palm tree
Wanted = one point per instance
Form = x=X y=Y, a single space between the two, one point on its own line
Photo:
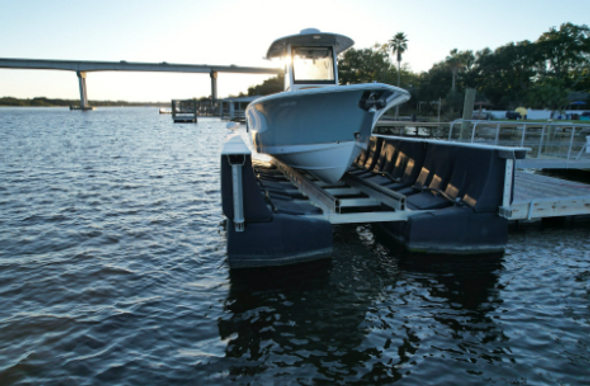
x=398 y=45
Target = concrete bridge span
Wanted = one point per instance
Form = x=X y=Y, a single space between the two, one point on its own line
x=82 y=67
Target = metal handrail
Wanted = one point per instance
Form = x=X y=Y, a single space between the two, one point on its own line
x=409 y=123
x=575 y=127
x=514 y=124
x=543 y=142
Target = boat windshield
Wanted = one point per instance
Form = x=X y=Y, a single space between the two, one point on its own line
x=313 y=65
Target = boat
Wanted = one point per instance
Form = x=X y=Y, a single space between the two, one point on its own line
x=315 y=124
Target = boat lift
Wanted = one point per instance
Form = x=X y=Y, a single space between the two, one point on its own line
x=281 y=215
x=340 y=203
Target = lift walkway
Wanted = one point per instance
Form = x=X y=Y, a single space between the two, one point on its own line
x=537 y=196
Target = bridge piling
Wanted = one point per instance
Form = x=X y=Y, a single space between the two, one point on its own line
x=213 y=75
x=83 y=93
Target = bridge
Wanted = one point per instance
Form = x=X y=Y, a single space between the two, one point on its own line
x=82 y=67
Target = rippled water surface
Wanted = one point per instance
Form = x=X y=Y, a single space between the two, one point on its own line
x=113 y=271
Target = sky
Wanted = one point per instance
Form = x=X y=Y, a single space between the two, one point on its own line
x=224 y=32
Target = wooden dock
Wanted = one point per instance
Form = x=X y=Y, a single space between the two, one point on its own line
x=537 y=196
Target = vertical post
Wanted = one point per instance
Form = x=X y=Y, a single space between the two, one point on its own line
x=523 y=135
x=551 y=135
x=497 y=133
x=213 y=76
x=439 y=105
x=195 y=110
x=541 y=142
x=238 y=200
x=467 y=112
x=473 y=131
x=451 y=130
x=569 y=150
x=508 y=183
x=334 y=63
x=289 y=81
x=83 y=93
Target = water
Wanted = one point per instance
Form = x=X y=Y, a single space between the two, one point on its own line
x=113 y=271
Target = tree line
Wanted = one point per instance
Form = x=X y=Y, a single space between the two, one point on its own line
x=539 y=74
x=54 y=102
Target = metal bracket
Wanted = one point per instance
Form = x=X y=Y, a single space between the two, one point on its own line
x=531 y=207
x=505 y=212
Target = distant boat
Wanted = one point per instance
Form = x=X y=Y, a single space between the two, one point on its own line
x=165 y=111
x=315 y=124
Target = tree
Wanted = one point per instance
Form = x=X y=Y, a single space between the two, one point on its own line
x=398 y=45
x=269 y=86
x=364 y=66
x=550 y=93
x=506 y=74
x=459 y=60
x=434 y=83
x=565 y=53
x=453 y=61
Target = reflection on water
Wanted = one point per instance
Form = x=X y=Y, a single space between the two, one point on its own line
x=113 y=271
x=355 y=319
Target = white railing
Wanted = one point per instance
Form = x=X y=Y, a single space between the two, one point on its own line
x=568 y=141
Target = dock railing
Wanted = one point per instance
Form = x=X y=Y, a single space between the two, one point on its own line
x=552 y=144
x=433 y=130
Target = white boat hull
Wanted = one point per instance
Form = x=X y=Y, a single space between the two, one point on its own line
x=320 y=130
x=328 y=162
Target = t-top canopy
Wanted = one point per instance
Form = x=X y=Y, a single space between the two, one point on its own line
x=310 y=37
